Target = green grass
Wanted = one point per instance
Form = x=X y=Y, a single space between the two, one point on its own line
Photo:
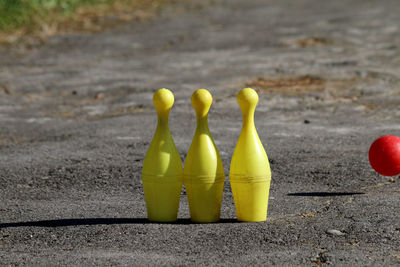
x=43 y=18
x=15 y=14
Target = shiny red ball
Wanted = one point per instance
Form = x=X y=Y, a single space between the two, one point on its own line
x=384 y=155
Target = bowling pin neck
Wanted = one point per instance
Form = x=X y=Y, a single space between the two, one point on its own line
x=248 y=118
x=202 y=124
x=201 y=114
x=162 y=121
x=163 y=117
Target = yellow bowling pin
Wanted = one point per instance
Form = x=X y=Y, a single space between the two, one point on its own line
x=203 y=173
x=162 y=167
x=250 y=174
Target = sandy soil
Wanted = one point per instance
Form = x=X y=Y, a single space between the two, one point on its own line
x=76 y=119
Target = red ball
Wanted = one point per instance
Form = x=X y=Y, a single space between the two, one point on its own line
x=384 y=155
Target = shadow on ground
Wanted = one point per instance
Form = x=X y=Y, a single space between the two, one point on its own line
x=324 y=194
x=98 y=221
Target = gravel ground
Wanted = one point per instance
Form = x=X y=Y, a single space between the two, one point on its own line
x=76 y=120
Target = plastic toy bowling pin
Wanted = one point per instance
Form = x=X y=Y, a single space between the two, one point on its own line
x=162 y=168
x=203 y=174
x=250 y=174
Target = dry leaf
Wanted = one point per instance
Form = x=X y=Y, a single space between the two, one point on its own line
x=5 y=89
x=100 y=96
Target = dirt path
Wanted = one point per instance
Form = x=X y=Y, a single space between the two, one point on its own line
x=76 y=119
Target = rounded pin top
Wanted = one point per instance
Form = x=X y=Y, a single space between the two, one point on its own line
x=163 y=100
x=247 y=99
x=201 y=102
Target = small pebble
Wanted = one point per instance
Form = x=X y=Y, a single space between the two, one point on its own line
x=6 y=234
x=334 y=232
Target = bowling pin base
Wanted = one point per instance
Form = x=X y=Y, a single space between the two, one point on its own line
x=251 y=198
x=162 y=200
x=204 y=200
